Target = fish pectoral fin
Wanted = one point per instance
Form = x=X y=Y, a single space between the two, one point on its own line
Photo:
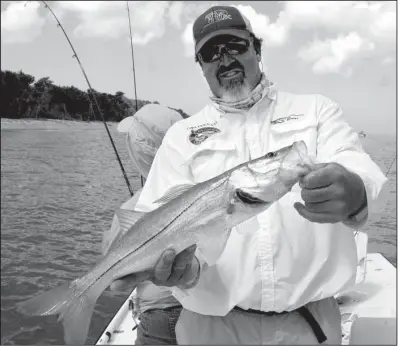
x=127 y=218
x=173 y=193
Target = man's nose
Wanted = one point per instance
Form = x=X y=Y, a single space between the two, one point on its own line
x=225 y=59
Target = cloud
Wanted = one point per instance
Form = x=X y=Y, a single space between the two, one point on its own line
x=330 y=55
x=356 y=27
x=388 y=60
x=274 y=34
x=104 y=19
x=370 y=19
x=384 y=27
x=175 y=12
x=108 y=19
x=187 y=38
x=20 y=23
x=331 y=15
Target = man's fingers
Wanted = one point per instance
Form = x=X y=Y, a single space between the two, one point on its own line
x=321 y=194
x=182 y=263
x=316 y=217
x=163 y=267
x=191 y=271
x=328 y=207
x=184 y=257
x=320 y=176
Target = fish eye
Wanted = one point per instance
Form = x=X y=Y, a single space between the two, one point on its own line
x=270 y=155
x=247 y=198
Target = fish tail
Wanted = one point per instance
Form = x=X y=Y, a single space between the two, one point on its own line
x=74 y=308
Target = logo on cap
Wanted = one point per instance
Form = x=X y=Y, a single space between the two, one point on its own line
x=217 y=16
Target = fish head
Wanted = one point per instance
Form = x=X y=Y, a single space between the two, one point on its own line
x=262 y=181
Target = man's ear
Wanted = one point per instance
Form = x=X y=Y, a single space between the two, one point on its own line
x=258 y=57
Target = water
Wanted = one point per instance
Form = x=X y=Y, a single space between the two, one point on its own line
x=60 y=185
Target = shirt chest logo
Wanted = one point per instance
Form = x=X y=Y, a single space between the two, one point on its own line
x=200 y=135
x=285 y=119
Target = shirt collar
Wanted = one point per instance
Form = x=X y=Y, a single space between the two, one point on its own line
x=269 y=92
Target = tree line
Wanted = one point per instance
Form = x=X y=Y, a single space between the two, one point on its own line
x=22 y=97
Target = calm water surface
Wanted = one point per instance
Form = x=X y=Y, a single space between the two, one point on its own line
x=60 y=185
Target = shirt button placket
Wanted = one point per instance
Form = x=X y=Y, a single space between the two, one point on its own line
x=252 y=136
x=266 y=266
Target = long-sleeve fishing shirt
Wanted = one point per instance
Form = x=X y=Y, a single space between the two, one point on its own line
x=278 y=260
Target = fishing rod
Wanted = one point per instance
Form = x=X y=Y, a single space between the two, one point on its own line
x=93 y=97
x=132 y=58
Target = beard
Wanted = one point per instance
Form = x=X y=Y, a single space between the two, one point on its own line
x=235 y=90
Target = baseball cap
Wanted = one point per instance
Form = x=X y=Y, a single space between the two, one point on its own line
x=145 y=131
x=220 y=20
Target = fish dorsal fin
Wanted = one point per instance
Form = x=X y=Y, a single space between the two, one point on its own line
x=173 y=193
x=127 y=218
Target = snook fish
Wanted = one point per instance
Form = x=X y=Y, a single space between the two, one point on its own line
x=200 y=214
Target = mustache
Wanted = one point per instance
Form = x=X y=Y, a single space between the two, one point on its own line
x=233 y=65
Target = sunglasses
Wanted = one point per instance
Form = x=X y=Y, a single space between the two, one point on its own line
x=213 y=52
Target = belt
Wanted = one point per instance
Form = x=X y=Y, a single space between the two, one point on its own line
x=169 y=308
x=303 y=311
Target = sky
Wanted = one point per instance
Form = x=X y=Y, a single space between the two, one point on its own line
x=345 y=50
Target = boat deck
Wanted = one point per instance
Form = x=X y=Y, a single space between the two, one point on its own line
x=368 y=310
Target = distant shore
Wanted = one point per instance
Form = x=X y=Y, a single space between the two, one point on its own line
x=9 y=121
x=24 y=120
x=34 y=124
x=55 y=125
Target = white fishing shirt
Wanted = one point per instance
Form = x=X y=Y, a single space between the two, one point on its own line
x=276 y=261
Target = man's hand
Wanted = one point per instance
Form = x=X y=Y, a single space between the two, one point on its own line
x=331 y=194
x=180 y=270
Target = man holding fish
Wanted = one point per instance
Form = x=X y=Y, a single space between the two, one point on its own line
x=301 y=251
x=252 y=256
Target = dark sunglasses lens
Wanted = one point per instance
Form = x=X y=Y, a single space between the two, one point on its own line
x=238 y=47
x=211 y=53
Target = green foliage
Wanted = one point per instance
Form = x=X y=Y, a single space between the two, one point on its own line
x=22 y=97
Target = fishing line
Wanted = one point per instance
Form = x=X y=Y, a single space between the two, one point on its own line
x=94 y=99
x=391 y=164
x=132 y=58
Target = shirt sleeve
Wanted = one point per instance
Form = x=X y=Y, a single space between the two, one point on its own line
x=338 y=142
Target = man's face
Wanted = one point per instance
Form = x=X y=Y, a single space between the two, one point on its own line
x=236 y=71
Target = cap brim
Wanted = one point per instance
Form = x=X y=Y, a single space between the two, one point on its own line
x=230 y=31
x=125 y=125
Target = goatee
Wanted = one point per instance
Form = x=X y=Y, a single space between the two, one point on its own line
x=235 y=89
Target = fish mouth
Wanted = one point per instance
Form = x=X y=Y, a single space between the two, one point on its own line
x=247 y=198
